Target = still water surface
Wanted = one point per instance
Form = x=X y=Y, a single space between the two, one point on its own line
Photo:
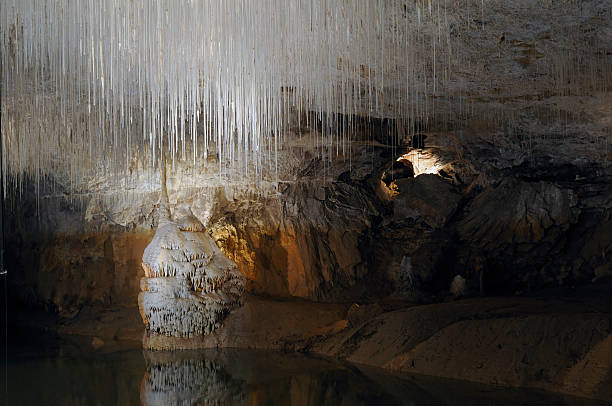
x=75 y=374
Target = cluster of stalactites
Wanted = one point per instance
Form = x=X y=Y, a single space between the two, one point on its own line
x=87 y=83
x=201 y=279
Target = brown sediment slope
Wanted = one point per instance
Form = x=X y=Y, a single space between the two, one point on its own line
x=562 y=347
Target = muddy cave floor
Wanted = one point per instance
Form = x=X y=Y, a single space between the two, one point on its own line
x=558 y=340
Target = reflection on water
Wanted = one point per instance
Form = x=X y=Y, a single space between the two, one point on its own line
x=74 y=374
x=230 y=377
x=187 y=379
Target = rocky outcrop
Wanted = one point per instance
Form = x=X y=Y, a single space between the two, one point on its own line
x=428 y=199
x=525 y=234
x=515 y=213
x=305 y=242
x=518 y=227
x=510 y=342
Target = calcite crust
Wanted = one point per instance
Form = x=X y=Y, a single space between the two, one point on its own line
x=189 y=285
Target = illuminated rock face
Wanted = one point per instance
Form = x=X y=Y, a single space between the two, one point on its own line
x=189 y=285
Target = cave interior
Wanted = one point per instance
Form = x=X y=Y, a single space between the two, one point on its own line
x=196 y=193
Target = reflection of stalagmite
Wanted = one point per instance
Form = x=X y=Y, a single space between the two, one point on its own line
x=189 y=285
x=187 y=378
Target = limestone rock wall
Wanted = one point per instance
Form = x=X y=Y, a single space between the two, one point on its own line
x=515 y=223
x=63 y=272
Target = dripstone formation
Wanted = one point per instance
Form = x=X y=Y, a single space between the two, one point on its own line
x=189 y=285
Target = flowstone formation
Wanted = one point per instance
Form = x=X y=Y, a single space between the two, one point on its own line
x=189 y=285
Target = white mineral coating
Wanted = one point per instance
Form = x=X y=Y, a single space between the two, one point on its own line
x=189 y=284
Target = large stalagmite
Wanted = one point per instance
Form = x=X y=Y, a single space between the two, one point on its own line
x=189 y=284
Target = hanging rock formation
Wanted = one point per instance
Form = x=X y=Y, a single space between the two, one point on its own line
x=189 y=284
